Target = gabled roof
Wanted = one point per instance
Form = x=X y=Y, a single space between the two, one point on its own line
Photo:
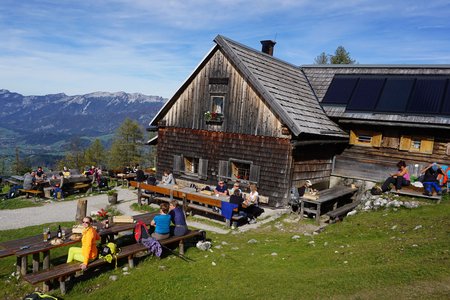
x=282 y=86
x=406 y=95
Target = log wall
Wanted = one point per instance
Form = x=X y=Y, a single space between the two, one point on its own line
x=244 y=111
x=376 y=163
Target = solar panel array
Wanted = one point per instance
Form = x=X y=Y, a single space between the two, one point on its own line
x=419 y=94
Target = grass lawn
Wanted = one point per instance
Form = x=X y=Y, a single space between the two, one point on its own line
x=393 y=253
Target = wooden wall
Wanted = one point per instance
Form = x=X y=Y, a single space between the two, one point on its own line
x=313 y=162
x=376 y=163
x=244 y=111
x=273 y=155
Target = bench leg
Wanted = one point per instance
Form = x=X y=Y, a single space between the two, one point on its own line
x=302 y=208
x=62 y=285
x=46 y=286
x=318 y=214
x=24 y=265
x=18 y=265
x=181 y=247
x=35 y=262
x=227 y=222
x=131 y=261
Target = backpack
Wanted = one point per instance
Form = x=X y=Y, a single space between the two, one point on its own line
x=109 y=252
x=141 y=231
x=38 y=295
x=376 y=190
x=443 y=178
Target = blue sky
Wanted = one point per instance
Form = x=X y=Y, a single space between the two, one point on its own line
x=151 y=47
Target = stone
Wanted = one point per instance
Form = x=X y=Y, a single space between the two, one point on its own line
x=274 y=254
x=125 y=269
x=252 y=241
x=213 y=263
x=113 y=277
x=295 y=237
x=417 y=227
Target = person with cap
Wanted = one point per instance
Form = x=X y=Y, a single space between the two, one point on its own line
x=430 y=181
x=304 y=188
x=235 y=187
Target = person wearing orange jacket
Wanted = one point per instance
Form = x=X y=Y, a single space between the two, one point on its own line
x=88 y=250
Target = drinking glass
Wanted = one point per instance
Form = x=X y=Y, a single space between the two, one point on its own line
x=45 y=234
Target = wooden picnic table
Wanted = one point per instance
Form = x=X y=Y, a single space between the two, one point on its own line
x=35 y=245
x=327 y=196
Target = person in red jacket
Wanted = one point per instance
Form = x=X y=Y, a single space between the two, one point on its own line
x=88 y=250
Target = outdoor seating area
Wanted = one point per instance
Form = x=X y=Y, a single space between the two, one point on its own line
x=193 y=201
x=42 y=270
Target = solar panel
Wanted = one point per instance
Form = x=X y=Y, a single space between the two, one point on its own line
x=366 y=94
x=427 y=95
x=340 y=90
x=395 y=95
x=446 y=101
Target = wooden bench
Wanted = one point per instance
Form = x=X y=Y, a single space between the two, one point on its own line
x=35 y=193
x=416 y=192
x=63 y=271
x=325 y=197
x=341 y=211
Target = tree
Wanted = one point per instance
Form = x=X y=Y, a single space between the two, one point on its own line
x=321 y=59
x=126 y=148
x=74 y=158
x=95 y=154
x=341 y=56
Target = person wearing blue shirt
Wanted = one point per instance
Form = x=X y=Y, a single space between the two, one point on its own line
x=221 y=189
x=161 y=223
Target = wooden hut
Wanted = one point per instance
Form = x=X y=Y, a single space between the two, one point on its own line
x=391 y=113
x=245 y=115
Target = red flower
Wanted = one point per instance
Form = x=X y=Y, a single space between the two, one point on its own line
x=103 y=214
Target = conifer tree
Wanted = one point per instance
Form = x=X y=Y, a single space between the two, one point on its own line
x=126 y=149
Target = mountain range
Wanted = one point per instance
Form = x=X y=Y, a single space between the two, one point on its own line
x=47 y=122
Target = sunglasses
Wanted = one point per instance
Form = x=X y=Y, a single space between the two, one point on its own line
x=84 y=222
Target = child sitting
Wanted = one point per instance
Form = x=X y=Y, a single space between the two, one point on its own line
x=161 y=223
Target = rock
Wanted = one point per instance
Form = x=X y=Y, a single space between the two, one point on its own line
x=252 y=241
x=113 y=277
x=393 y=227
x=162 y=268
x=325 y=244
x=235 y=248
x=224 y=243
x=203 y=245
x=307 y=234
x=311 y=242
x=352 y=213
x=126 y=273
x=295 y=237
x=218 y=247
x=125 y=269
x=274 y=254
x=213 y=263
x=417 y=227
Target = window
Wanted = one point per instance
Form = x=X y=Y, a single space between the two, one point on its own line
x=365 y=138
x=416 y=144
x=236 y=169
x=191 y=165
x=217 y=104
x=240 y=170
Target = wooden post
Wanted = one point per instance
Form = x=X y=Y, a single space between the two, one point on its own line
x=139 y=194
x=81 y=210
x=46 y=260
x=24 y=265
x=35 y=262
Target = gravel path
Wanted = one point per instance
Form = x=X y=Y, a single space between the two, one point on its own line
x=65 y=212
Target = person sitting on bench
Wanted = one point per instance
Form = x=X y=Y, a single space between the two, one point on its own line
x=88 y=250
x=178 y=218
x=430 y=179
x=398 y=179
x=161 y=223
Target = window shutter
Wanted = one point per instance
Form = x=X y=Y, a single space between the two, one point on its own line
x=448 y=149
x=405 y=143
x=376 y=139
x=176 y=164
x=254 y=173
x=426 y=145
x=203 y=169
x=223 y=168
x=353 y=138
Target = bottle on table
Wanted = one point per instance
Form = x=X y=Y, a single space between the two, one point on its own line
x=59 y=233
x=49 y=235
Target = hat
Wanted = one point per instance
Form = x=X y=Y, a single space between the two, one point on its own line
x=308 y=183
x=434 y=167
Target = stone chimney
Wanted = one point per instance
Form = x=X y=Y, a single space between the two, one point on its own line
x=267 y=46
